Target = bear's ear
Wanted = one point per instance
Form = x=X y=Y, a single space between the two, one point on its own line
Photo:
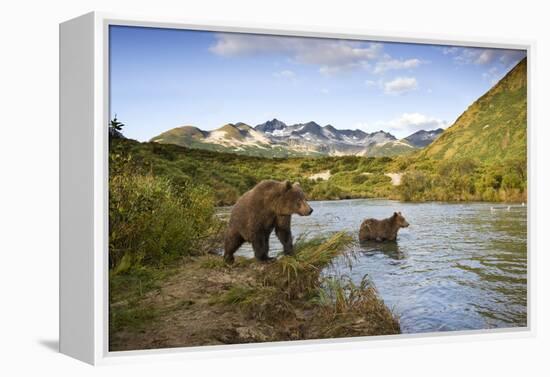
x=296 y=184
x=395 y=214
x=288 y=185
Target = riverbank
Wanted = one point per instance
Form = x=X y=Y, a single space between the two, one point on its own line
x=203 y=301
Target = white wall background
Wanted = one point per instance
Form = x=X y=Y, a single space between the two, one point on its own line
x=29 y=183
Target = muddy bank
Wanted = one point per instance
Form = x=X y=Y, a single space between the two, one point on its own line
x=206 y=302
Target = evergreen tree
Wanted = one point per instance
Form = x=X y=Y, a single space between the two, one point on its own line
x=115 y=128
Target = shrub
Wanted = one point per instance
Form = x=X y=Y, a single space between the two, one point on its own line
x=151 y=222
x=326 y=190
x=305 y=166
x=359 y=179
x=413 y=185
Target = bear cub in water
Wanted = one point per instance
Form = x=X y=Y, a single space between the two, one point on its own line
x=382 y=230
x=267 y=206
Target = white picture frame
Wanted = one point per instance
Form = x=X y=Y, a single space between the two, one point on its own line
x=84 y=114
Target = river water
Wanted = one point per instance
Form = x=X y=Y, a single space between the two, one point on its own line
x=456 y=267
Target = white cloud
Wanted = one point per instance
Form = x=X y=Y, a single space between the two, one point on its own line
x=449 y=50
x=388 y=63
x=493 y=74
x=412 y=122
x=400 y=85
x=331 y=70
x=332 y=56
x=483 y=56
x=498 y=61
x=245 y=44
x=362 y=126
x=370 y=83
x=285 y=74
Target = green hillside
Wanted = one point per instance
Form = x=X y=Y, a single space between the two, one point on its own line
x=483 y=155
x=185 y=135
x=493 y=128
x=230 y=175
x=231 y=132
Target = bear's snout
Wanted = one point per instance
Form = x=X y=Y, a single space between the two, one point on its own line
x=305 y=210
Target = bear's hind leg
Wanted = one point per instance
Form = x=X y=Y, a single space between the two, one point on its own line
x=232 y=243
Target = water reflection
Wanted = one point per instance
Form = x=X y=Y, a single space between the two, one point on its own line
x=387 y=248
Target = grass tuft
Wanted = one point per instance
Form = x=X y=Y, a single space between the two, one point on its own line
x=257 y=301
x=212 y=262
x=349 y=309
x=299 y=274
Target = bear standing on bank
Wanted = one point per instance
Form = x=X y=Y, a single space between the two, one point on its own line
x=267 y=206
x=382 y=230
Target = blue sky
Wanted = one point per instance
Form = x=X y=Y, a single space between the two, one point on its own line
x=164 y=78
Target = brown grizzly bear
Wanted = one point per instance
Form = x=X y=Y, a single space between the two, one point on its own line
x=265 y=207
x=382 y=230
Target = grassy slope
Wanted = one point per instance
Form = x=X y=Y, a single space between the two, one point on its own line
x=185 y=136
x=493 y=128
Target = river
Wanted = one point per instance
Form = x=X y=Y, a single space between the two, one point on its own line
x=458 y=266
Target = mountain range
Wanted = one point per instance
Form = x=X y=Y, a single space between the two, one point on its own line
x=275 y=138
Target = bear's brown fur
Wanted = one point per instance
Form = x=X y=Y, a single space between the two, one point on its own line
x=267 y=206
x=382 y=230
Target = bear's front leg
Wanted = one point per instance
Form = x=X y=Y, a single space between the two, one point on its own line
x=282 y=230
x=260 y=244
x=232 y=242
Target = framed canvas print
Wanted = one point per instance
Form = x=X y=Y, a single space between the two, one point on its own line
x=234 y=188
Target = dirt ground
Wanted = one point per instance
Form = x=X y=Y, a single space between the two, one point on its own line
x=186 y=311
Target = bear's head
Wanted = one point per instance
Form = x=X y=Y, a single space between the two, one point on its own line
x=400 y=220
x=293 y=200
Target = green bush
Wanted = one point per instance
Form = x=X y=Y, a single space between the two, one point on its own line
x=326 y=191
x=413 y=185
x=359 y=179
x=151 y=222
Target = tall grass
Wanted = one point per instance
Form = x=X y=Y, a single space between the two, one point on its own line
x=350 y=309
x=152 y=223
x=299 y=275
